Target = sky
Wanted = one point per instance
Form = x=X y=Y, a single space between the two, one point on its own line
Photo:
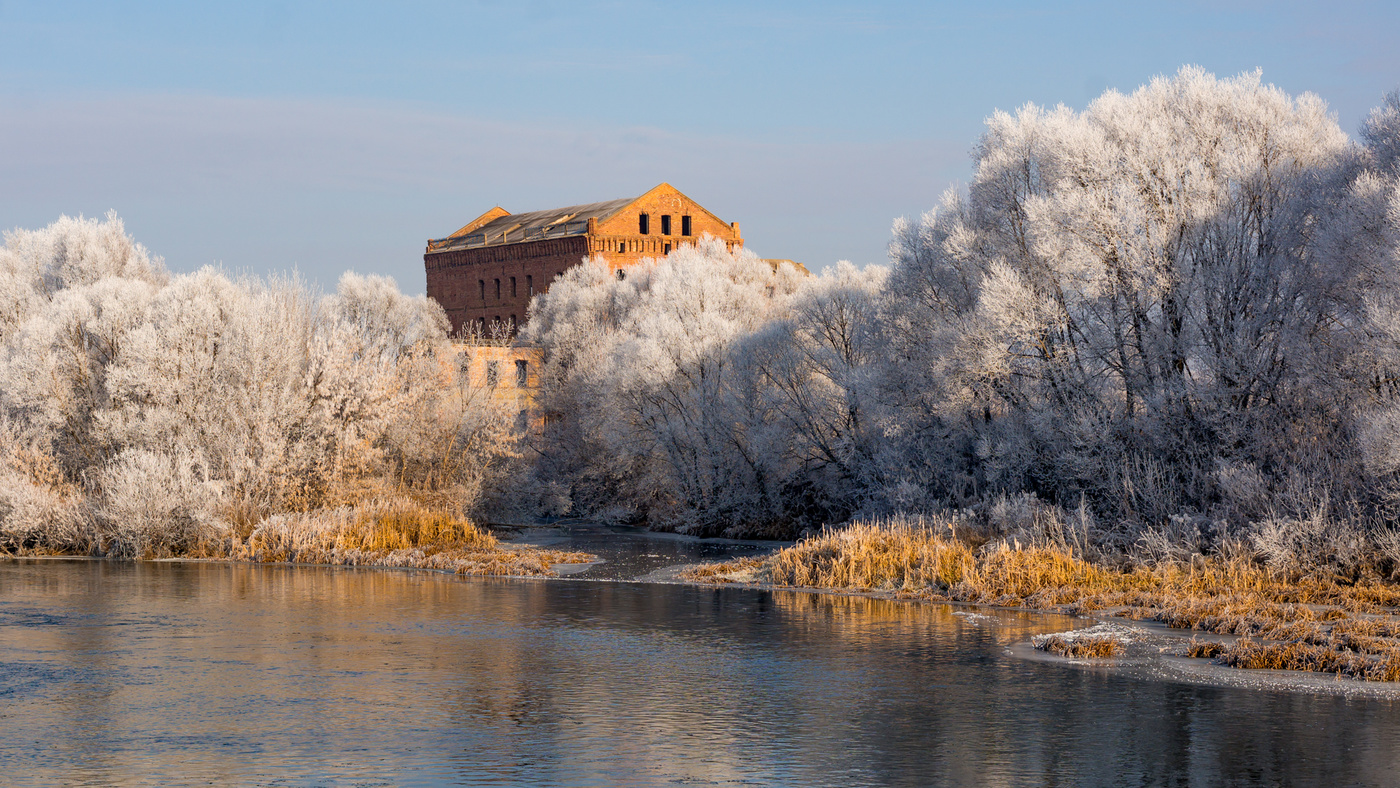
x=325 y=137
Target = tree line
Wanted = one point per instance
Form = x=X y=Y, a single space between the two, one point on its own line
x=1164 y=325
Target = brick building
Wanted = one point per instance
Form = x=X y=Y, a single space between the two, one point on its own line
x=487 y=271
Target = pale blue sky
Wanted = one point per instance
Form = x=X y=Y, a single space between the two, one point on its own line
x=327 y=136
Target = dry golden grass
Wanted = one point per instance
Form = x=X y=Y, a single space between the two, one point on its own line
x=1088 y=647
x=735 y=571
x=1227 y=615
x=1314 y=616
x=1204 y=649
x=1296 y=655
x=397 y=534
x=405 y=528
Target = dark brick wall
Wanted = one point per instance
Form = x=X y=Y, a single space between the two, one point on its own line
x=454 y=277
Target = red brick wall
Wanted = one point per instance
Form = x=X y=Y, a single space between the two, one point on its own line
x=454 y=277
x=623 y=229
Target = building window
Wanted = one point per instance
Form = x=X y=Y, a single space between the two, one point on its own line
x=643 y=224
x=512 y=287
x=482 y=284
x=481 y=325
x=522 y=373
x=512 y=325
x=621 y=247
x=498 y=290
x=529 y=285
x=493 y=373
x=668 y=248
x=685 y=225
x=665 y=224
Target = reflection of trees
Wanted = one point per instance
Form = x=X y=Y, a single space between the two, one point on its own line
x=231 y=673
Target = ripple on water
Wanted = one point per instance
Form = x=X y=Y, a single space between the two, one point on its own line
x=136 y=674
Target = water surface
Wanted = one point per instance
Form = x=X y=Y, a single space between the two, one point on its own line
x=185 y=673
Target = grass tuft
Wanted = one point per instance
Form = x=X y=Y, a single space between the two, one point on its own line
x=1086 y=647
x=1320 y=623
x=395 y=534
x=1204 y=649
x=1297 y=655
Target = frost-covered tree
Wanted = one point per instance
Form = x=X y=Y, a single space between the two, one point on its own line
x=659 y=417
x=1133 y=299
x=1381 y=133
x=144 y=412
x=817 y=370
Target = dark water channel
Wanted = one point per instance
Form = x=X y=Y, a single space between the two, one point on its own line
x=169 y=673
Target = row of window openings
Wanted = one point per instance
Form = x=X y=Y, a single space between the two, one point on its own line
x=529 y=287
x=637 y=246
x=522 y=373
x=644 y=224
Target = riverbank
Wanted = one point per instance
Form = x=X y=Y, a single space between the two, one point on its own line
x=402 y=536
x=1274 y=622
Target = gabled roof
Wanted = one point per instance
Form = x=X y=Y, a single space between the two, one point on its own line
x=532 y=226
x=668 y=187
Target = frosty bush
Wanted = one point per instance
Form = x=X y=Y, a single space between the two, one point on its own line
x=664 y=420
x=1159 y=303
x=157 y=503
x=1174 y=315
x=146 y=413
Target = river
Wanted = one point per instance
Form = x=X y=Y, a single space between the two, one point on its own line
x=162 y=673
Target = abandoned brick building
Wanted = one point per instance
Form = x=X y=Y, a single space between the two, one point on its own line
x=486 y=272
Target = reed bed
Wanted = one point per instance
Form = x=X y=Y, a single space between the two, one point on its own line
x=1297 y=655
x=394 y=534
x=1297 y=622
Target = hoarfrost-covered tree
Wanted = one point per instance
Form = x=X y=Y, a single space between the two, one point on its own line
x=817 y=370
x=145 y=413
x=657 y=404
x=1381 y=133
x=1137 y=295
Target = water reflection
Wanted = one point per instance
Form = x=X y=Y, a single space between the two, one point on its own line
x=177 y=673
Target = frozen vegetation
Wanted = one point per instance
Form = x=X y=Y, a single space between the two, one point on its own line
x=1165 y=326
x=1145 y=365
x=149 y=414
x=1160 y=329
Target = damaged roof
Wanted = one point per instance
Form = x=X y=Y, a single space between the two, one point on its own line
x=532 y=226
